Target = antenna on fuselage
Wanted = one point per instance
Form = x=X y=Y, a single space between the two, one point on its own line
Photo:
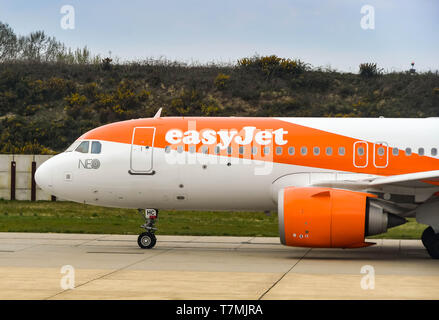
x=157 y=115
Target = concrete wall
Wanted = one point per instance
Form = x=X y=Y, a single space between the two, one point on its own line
x=23 y=178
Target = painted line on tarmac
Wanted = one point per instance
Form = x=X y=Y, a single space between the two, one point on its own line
x=111 y=273
x=288 y=271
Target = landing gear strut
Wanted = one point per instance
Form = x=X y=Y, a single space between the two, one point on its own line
x=147 y=240
x=430 y=239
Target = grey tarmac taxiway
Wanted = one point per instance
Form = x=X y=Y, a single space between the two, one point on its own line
x=203 y=267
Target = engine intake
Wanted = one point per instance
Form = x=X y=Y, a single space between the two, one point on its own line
x=330 y=218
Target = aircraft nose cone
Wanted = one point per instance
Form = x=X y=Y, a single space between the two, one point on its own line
x=43 y=176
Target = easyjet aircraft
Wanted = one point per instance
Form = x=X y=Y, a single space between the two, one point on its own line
x=333 y=181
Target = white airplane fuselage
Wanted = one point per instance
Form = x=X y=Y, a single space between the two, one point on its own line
x=188 y=178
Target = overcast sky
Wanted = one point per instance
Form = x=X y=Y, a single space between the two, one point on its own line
x=323 y=33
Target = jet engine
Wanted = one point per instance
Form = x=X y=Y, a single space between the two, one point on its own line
x=330 y=218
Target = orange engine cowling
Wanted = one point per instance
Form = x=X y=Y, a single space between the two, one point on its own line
x=325 y=217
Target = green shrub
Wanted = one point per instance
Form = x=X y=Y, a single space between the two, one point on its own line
x=368 y=70
x=106 y=63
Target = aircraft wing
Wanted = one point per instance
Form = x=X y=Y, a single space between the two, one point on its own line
x=425 y=176
x=414 y=180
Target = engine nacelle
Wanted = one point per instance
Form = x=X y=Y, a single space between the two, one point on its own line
x=330 y=218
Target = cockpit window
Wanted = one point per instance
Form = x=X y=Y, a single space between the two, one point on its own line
x=72 y=146
x=96 y=147
x=83 y=147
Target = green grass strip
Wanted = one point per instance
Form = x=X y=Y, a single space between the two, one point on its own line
x=69 y=217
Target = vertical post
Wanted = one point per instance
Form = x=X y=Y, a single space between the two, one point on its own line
x=33 y=190
x=13 y=167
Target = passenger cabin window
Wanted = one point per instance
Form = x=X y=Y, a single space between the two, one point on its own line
x=278 y=150
x=421 y=151
x=408 y=151
x=316 y=151
x=83 y=147
x=291 y=151
x=341 y=151
x=329 y=151
x=395 y=151
x=303 y=151
x=433 y=151
x=96 y=147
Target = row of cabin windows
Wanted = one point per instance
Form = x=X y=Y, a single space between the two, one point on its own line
x=395 y=151
x=265 y=150
x=303 y=150
x=421 y=151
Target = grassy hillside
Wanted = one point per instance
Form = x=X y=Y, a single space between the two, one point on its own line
x=45 y=106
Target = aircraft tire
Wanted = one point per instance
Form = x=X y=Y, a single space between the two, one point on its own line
x=431 y=242
x=146 y=240
x=427 y=236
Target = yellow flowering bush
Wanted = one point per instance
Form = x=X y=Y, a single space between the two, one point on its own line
x=221 y=81
x=273 y=65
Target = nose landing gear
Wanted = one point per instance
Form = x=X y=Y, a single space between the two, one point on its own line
x=430 y=239
x=147 y=240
